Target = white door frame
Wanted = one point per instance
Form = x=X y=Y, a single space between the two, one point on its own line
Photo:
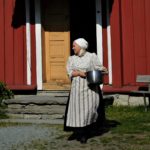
x=99 y=36
x=38 y=32
x=109 y=43
x=28 y=42
x=99 y=30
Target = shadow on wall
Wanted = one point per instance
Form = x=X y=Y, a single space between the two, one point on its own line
x=19 y=13
x=107 y=6
x=82 y=18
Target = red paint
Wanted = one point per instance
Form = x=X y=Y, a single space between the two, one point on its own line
x=116 y=44
x=124 y=89
x=147 y=24
x=18 y=55
x=13 y=66
x=128 y=43
x=33 y=55
x=24 y=56
x=139 y=36
x=104 y=33
x=105 y=53
x=130 y=36
x=9 y=43
x=2 y=78
x=22 y=87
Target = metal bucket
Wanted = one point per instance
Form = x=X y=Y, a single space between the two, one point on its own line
x=94 y=77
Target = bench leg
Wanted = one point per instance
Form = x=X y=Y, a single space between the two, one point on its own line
x=145 y=103
x=149 y=101
x=128 y=100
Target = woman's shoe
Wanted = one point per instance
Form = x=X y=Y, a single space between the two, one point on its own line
x=83 y=139
x=72 y=137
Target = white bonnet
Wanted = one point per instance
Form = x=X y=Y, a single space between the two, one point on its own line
x=82 y=43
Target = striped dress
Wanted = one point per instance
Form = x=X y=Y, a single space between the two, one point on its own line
x=84 y=100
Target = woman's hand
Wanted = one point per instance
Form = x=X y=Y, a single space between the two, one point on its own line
x=76 y=73
x=104 y=70
x=82 y=74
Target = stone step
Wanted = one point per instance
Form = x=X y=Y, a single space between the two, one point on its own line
x=37 y=99
x=43 y=105
x=54 y=93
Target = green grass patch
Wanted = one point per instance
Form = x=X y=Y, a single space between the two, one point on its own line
x=130 y=119
x=131 y=130
x=10 y=124
x=3 y=116
x=2 y=113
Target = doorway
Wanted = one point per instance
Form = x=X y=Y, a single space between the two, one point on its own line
x=56 y=43
x=63 y=21
x=83 y=22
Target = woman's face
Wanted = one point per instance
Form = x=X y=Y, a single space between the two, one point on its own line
x=76 y=48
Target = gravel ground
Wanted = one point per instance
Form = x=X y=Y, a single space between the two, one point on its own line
x=19 y=136
x=41 y=137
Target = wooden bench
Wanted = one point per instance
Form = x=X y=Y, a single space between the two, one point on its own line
x=144 y=93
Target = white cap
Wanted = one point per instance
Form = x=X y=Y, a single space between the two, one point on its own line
x=82 y=43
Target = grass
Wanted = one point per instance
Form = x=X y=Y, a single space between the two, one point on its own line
x=13 y=124
x=131 y=128
x=3 y=116
x=2 y=112
x=130 y=119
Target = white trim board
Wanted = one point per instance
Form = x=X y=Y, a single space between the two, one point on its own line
x=109 y=44
x=99 y=30
x=28 y=42
x=38 y=32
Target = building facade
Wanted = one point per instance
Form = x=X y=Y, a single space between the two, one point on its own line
x=36 y=38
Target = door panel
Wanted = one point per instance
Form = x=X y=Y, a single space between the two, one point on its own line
x=57 y=43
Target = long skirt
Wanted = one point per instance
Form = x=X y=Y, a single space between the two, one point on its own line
x=83 y=104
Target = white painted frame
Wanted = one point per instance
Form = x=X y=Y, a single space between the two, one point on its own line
x=38 y=32
x=99 y=30
x=109 y=43
x=99 y=36
x=28 y=41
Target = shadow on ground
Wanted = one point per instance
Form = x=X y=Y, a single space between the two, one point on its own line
x=102 y=128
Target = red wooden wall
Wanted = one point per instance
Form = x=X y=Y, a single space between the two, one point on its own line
x=130 y=36
x=130 y=31
x=13 y=70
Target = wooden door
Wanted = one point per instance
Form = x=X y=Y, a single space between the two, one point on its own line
x=56 y=44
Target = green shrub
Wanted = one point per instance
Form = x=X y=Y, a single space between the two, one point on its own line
x=5 y=93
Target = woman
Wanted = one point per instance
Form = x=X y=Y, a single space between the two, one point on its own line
x=83 y=103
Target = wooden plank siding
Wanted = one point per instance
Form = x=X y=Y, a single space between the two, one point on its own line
x=9 y=43
x=2 y=64
x=147 y=24
x=104 y=32
x=115 y=21
x=130 y=38
x=130 y=41
x=33 y=56
x=13 y=67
